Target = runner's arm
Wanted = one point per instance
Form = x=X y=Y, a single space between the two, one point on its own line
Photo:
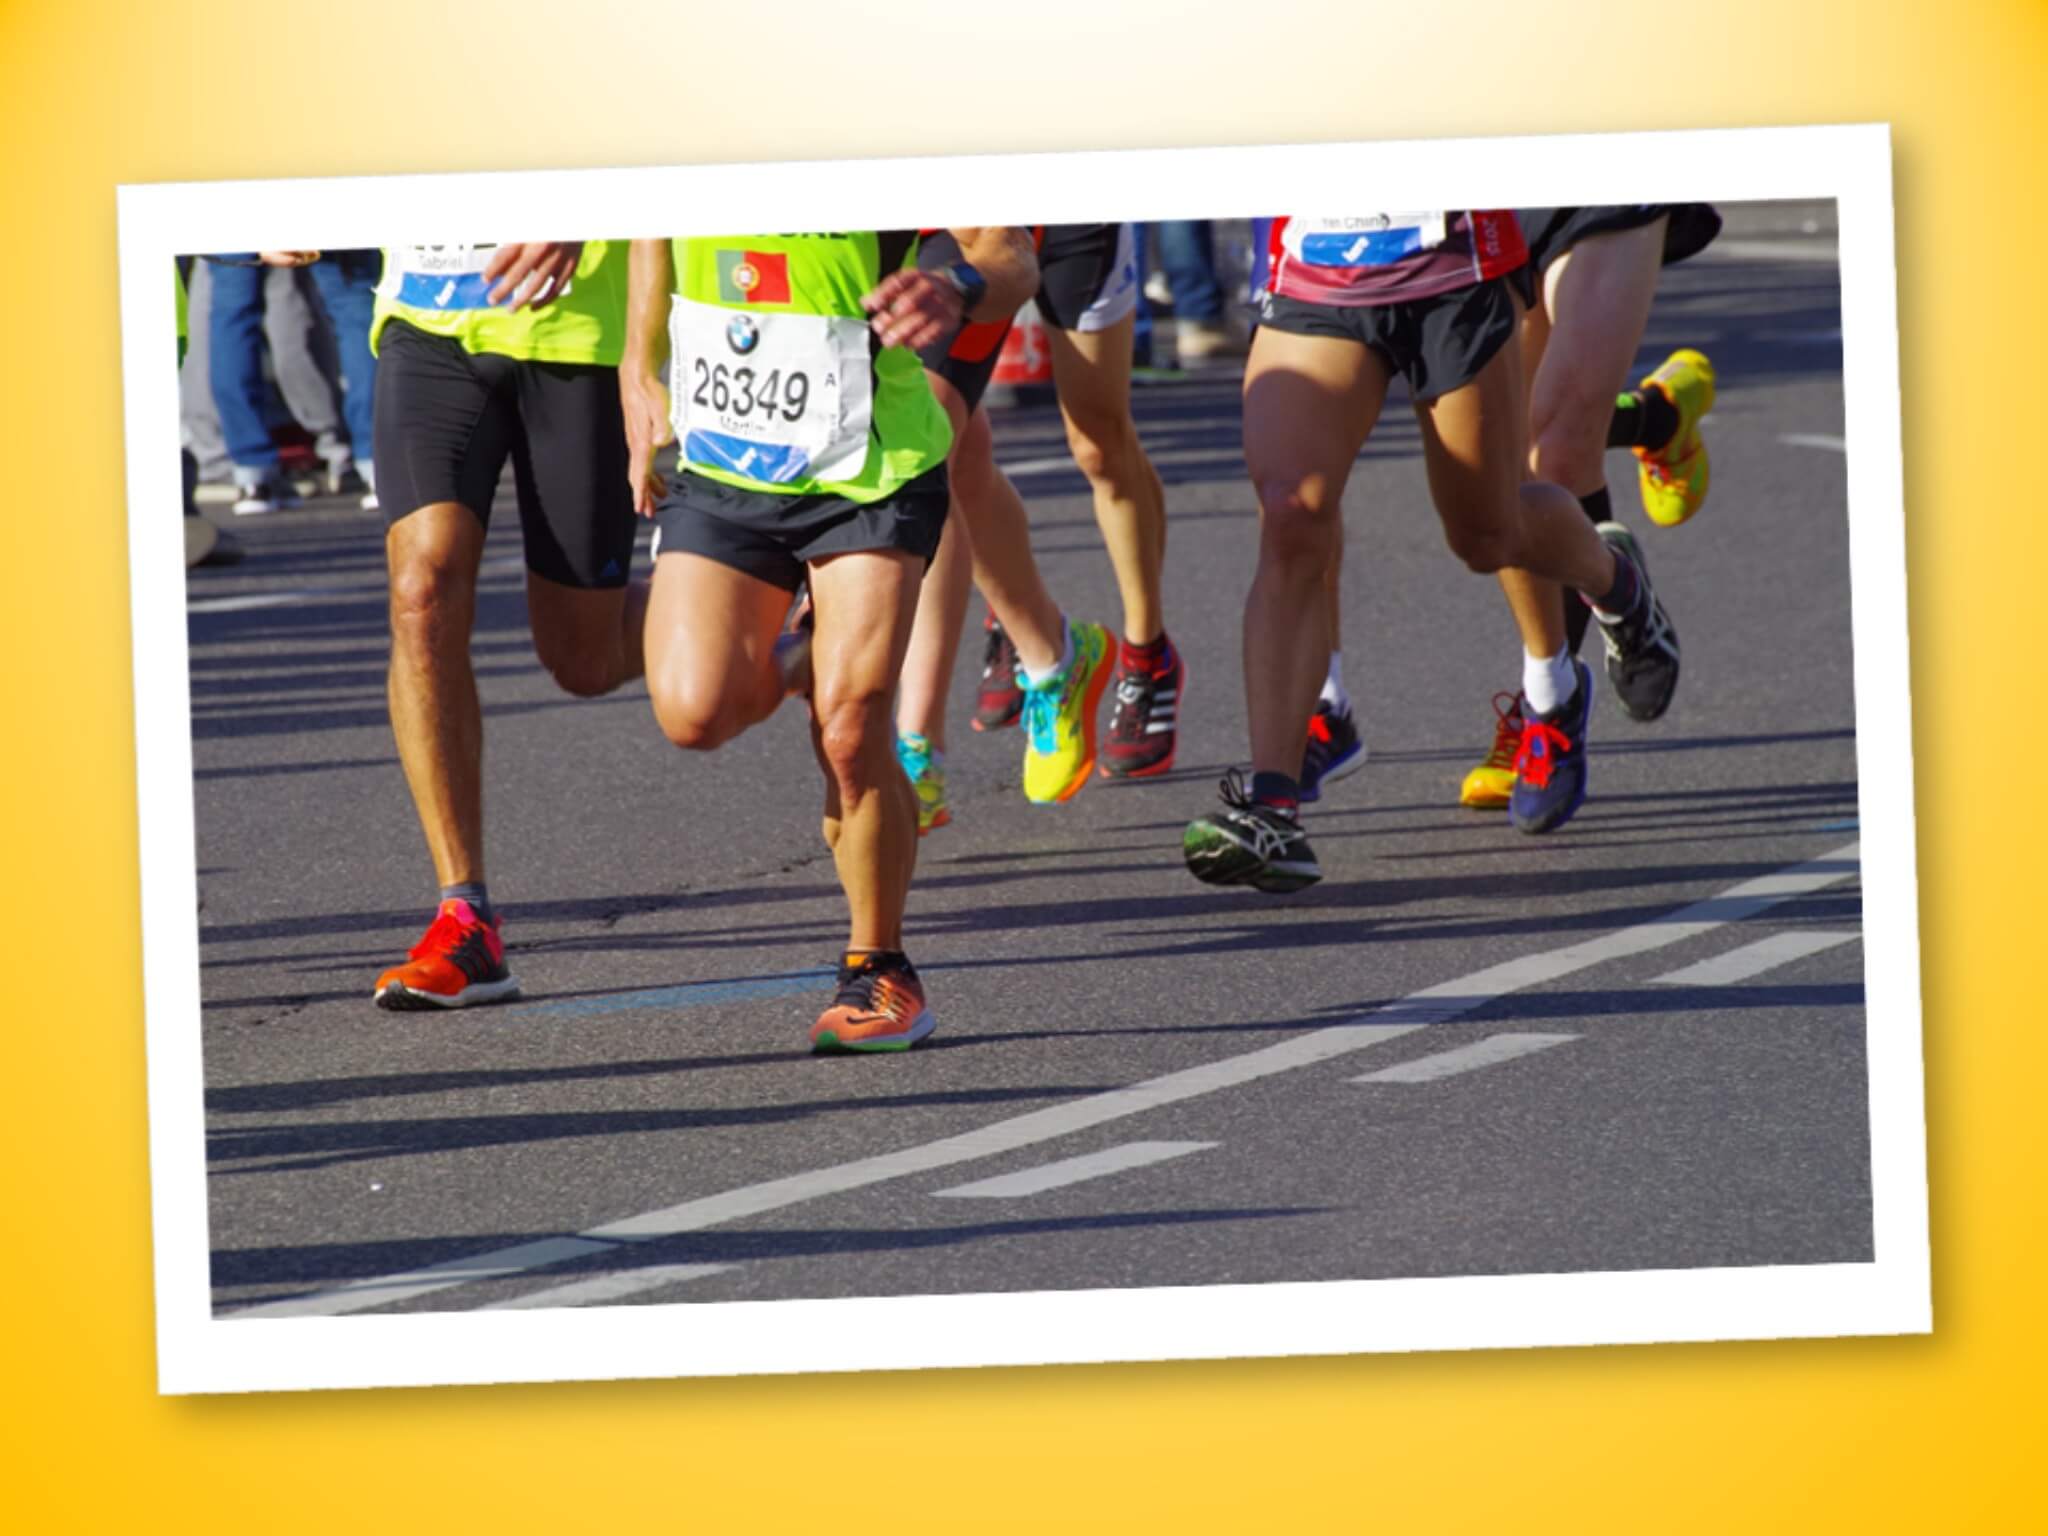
x=650 y=280
x=915 y=308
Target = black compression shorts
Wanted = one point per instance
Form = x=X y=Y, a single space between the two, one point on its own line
x=1437 y=344
x=1551 y=232
x=447 y=420
x=772 y=535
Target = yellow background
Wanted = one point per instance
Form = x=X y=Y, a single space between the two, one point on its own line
x=1881 y=1433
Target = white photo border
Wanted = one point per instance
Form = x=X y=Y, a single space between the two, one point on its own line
x=199 y=1352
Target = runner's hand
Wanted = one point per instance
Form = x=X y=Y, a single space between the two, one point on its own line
x=914 y=309
x=532 y=274
x=287 y=258
x=644 y=399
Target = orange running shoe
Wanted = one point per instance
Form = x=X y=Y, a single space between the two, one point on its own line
x=1491 y=784
x=880 y=1007
x=458 y=962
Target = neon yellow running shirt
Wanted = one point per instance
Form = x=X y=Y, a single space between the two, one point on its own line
x=776 y=383
x=440 y=289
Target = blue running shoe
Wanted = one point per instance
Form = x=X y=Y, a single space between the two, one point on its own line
x=1550 y=770
x=1334 y=749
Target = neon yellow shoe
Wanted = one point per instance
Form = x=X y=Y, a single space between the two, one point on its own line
x=1489 y=786
x=1674 y=478
x=1059 y=719
x=926 y=771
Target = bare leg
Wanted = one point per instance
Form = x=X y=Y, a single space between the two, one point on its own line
x=433 y=556
x=1000 y=533
x=1092 y=370
x=710 y=647
x=1310 y=403
x=865 y=605
x=935 y=637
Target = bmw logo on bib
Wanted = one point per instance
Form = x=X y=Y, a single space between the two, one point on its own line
x=742 y=334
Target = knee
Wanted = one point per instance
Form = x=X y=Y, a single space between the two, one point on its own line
x=1298 y=528
x=1484 y=550
x=1102 y=446
x=854 y=738
x=586 y=671
x=427 y=594
x=1569 y=444
x=689 y=717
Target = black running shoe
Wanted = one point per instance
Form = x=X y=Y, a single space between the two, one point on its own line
x=1246 y=843
x=1001 y=698
x=1642 y=647
x=1334 y=750
x=1550 y=767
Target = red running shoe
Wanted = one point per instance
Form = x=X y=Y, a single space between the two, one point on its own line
x=458 y=962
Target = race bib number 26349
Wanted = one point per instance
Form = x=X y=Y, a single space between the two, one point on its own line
x=774 y=398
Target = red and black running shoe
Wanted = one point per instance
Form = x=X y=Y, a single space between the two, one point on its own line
x=1144 y=725
x=1001 y=699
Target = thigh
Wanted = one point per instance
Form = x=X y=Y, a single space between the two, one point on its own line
x=1310 y=401
x=569 y=464
x=441 y=429
x=864 y=603
x=1596 y=297
x=710 y=628
x=1091 y=372
x=1474 y=447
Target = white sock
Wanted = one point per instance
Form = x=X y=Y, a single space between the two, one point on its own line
x=1548 y=681
x=1333 y=686
x=1040 y=679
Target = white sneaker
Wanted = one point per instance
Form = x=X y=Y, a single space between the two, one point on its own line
x=1158 y=292
x=1199 y=342
x=264 y=496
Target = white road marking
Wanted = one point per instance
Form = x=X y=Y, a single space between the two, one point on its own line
x=614 y=1285
x=1073 y=1170
x=1754 y=959
x=1433 y=1005
x=291 y=597
x=1466 y=1058
x=1774 y=250
x=1813 y=440
x=382 y=1290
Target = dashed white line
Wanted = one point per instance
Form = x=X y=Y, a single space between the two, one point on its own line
x=1813 y=440
x=292 y=596
x=1433 y=1005
x=1073 y=1170
x=1754 y=959
x=613 y=1285
x=1466 y=1058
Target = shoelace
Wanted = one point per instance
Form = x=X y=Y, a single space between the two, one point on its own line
x=1508 y=726
x=442 y=935
x=1541 y=744
x=868 y=988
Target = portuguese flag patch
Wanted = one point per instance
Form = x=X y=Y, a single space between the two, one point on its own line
x=753 y=277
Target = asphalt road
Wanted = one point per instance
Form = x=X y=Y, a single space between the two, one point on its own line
x=1466 y=1052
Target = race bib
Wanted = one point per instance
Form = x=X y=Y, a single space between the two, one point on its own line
x=776 y=397
x=1363 y=240
x=443 y=277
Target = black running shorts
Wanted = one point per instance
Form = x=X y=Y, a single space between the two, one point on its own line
x=1437 y=344
x=1550 y=232
x=447 y=419
x=772 y=535
x=1077 y=268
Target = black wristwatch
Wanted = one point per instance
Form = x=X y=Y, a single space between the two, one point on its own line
x=968 y=283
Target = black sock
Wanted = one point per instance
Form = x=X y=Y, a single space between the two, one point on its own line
x=473 y=892
x=1600 y=508
x=1643 y=418
x=1276 y=790
x=1620 y=599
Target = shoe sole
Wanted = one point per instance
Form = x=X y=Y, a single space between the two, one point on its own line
x=829 y=1043
x=1343 y=768
x=1091 y=706
x=399 y=998
x=1214 y=857
x=1705 y=368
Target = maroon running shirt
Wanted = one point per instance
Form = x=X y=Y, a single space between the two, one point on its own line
x=1391 y=258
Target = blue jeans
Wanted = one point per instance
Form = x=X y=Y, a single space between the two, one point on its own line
x=1187 y=254
x=347 y=283
x=235 y=364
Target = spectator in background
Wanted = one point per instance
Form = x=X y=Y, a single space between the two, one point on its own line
x=1187 y=258
x=240 y=391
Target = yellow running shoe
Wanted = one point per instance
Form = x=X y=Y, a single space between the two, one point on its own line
x=1489 y=786
x=926 y=771
x=1674 y=478
x=1059 y=719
